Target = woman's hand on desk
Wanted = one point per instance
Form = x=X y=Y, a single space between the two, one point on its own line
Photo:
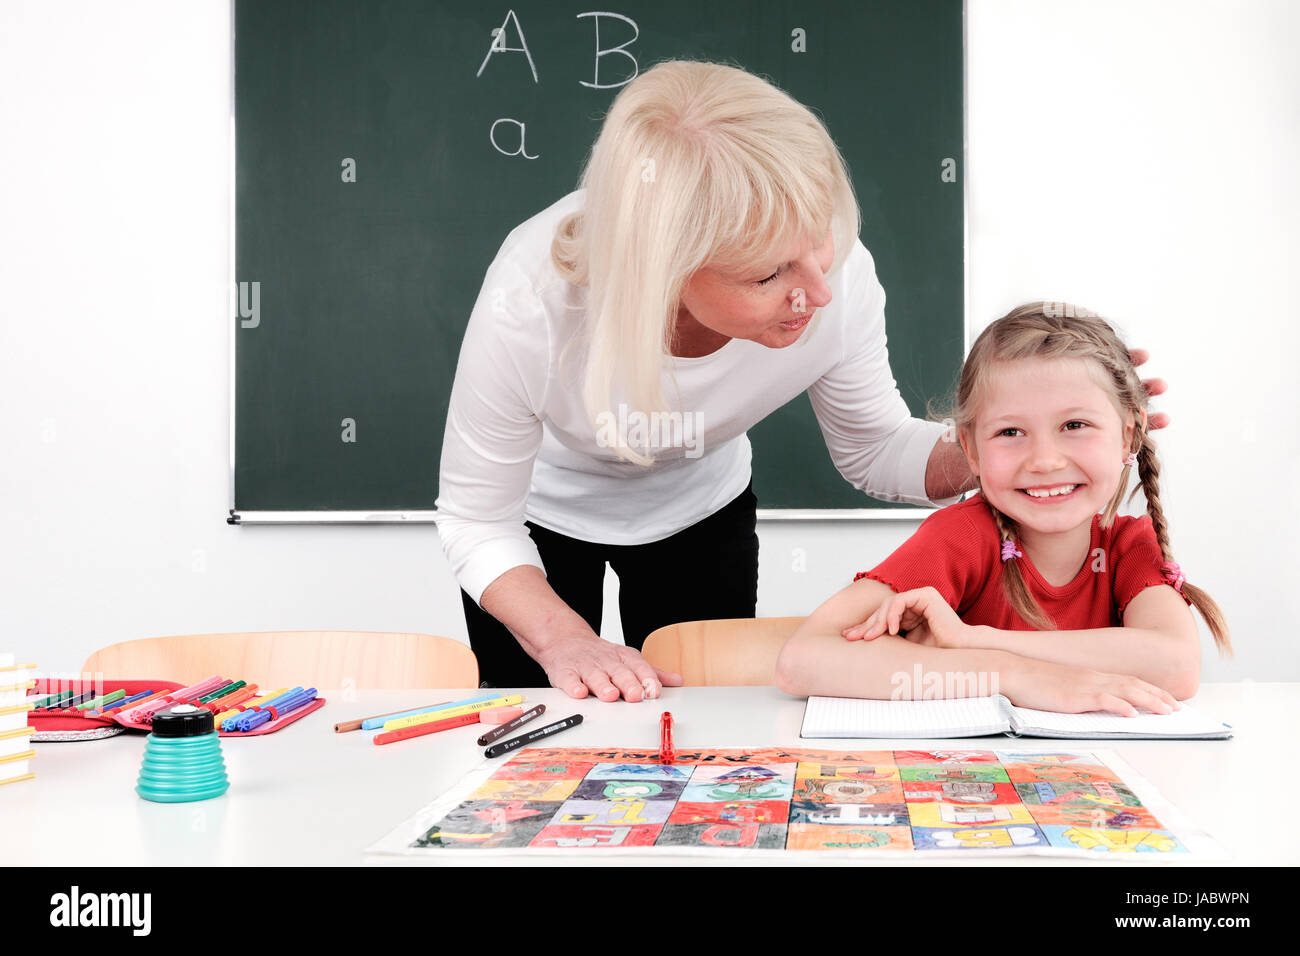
x=576 y=659
x=922 y=613
x=581 y=664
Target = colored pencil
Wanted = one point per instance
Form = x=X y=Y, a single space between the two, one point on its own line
x=402 y=722
x=372 y=723
x=345 y=726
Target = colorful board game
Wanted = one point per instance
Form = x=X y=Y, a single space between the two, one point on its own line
x=880 y=801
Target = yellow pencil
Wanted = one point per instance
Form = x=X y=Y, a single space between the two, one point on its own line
x=401 y=722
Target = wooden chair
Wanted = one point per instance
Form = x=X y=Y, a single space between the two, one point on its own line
x=327 y=660
x=738 y=652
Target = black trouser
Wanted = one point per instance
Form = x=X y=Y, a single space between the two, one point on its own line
x=704 y=572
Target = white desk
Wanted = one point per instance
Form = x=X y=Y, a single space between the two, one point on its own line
x=307 y=795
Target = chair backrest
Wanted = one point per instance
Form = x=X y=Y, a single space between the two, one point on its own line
x=737 y=652
x=327 y=660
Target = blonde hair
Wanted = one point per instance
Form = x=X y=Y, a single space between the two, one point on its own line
x=696 y=164
x=1052 y=330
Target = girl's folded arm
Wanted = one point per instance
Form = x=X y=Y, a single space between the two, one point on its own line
x=1158 y=643
x=818 y=660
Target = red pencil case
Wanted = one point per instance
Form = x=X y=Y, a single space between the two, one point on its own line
x=56 y=725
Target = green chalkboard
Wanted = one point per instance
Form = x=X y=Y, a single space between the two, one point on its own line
x=353 y=295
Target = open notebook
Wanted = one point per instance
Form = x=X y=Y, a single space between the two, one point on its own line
x=979 y=716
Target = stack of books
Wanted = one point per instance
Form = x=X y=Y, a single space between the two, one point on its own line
x=16 y=752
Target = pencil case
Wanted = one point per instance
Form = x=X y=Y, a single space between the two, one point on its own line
x=64 y=725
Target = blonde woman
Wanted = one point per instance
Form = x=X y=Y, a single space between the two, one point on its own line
x=625 y=339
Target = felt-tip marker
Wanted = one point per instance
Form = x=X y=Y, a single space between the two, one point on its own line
x=498 y=732
x=496 y=750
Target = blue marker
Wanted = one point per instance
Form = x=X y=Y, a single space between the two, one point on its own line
x=257 y=718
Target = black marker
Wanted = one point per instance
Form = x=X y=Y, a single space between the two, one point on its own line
x=498 y=732
x=496 y=750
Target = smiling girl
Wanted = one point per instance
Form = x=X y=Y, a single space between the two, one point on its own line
x=1035 y=581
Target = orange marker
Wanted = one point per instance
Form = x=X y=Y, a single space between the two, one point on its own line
x=428 y=727
x=230 y=700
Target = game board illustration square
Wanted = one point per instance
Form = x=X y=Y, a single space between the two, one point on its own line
x=849 y=814
x=1063 y=758
x=959 y=791
x=596 y=788
x=944 y=758
x=770 y=836
x=839 y=790
x=963 y=816
x=1050 y=772
x=1110 y=841
x=813 y=836
x=874 y=765
x=639 y=771
x=595 y=836
x=882 y=771
x=489 y=823
x=743 y=783
x=1076 y=793
x=740 y=773
x=1093 y=816
x=955 y=773
x=978 y=838
x=532 y=767
x=763 y=811
x=535 y=790
x=613 y=812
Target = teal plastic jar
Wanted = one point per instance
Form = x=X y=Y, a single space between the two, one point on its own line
x=182 y=757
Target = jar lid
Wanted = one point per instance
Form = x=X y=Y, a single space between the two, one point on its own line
x=183 y=720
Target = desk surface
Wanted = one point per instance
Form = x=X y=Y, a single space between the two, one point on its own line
x=307 y=795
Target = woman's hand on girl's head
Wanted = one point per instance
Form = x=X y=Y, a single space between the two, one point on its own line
x=922 y=613
x=1154 y=387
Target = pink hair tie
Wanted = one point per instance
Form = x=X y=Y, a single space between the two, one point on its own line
x=1009 y=551
x=1174 y=575
x=1132 y=460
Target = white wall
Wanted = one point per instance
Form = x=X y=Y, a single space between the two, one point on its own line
x=1136 y=157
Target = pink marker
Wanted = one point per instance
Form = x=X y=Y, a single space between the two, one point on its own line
x=145 y=712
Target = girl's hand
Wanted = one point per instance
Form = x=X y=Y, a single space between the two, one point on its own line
x=1042 y=685
x=922 y=612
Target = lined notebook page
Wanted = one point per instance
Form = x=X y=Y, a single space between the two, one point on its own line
x=1187 y=722
x=851 y=717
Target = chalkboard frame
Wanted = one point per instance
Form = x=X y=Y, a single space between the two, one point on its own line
x=237 y=516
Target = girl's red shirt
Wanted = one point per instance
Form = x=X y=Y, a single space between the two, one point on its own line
x=957 y=551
